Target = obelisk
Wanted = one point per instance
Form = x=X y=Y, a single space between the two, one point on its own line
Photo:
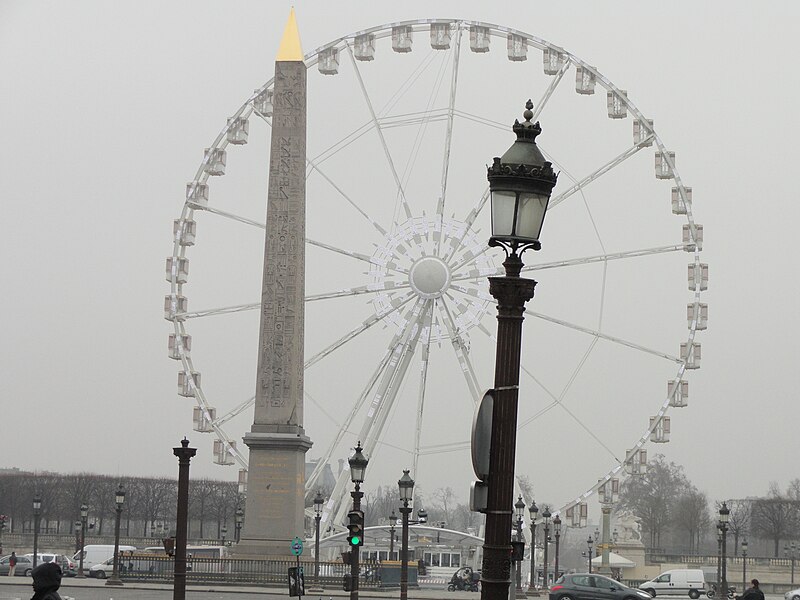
x=277 y=441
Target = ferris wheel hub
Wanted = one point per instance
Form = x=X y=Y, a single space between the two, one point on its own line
x=429 y=277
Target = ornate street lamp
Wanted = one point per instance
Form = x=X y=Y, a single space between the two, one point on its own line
x=519 y=521
x=546 y=518
x=557 y=534
x=790 y=551
x=406 y=486
x=238 y=519
x=84 y=519
x=534 y=512
x=37 y=515
x=520 y=184
x=224 y=533
x=119 y=500
x=422 y=516
x=319 y=501
x=358 y=466
x=589 y=544
x=724 y=517
x=744 y=564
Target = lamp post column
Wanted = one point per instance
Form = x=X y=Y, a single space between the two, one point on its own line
x=724 y=515
x=590 y=543
x=185 y=455
x=534 y=512
x=84 y=521
x=319 y=501
x=557 y=533
x=119 y=499
x=406 y=486
x=392 y=524
x=239 y=519
x=744 y=565
x=37 y=514
x=546 y=540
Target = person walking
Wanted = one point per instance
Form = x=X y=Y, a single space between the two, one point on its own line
x=12 y=564
x=46 y=581
x=752 y=593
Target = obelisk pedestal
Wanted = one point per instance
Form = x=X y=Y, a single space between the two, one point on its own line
x=274 y=509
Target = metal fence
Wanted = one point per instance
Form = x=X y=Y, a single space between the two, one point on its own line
x=241 y=571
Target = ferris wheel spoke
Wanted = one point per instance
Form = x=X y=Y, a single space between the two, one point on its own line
x=379 y=131
x=603 y=336
x=448 y=140
x=232 y=216
x=481 y=120
x=614 y=162
x=358 y=330
x=236 y=411
x=427 y=330
x=605 y=258
x=350 y=253
x=461 y=352
x=225 y=310
x=548 y=93
x=468 y=221
x=357 y=291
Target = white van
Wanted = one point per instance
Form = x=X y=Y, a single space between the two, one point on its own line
x=95 y=554
x=677 y=582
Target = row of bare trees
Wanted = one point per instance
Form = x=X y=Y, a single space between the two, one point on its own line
x=674 y=513
x=149 y=508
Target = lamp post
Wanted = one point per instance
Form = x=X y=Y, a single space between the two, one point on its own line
x=406 y=486
x=119 y=500
x=239 y=519
x=392 y=523
x=224 y=532
x=358 y=465
x=557 y=534
x=590 y=543
x=744 y=564
x=790 y=551
x=516 y=565
x=37 y=514
x=319 y=501
x=520 y=184
x=84 y=519
x=724 y=516
x=546 y=518
x=719 y=556
x=184 y=455
x=533 y=512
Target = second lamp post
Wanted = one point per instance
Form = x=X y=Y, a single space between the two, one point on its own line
x=119 y=500
x=520 y=184
x=84 y=519
x=406 y=485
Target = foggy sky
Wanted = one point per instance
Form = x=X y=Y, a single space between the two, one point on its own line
x=106 y=109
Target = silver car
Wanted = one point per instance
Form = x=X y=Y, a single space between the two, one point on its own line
x=24 y=566
x=792 y=594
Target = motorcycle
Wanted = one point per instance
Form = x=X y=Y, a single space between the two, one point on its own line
x=712 y=591
x=464 y=579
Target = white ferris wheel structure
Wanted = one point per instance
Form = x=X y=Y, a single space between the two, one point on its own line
x=403 y=118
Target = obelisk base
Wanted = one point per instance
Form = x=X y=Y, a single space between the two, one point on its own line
x=274 y=509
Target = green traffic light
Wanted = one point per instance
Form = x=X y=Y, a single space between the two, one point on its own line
x=355 y=540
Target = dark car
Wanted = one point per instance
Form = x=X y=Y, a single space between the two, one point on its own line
x=588 y=586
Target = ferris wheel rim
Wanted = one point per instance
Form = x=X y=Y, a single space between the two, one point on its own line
x=384 y=30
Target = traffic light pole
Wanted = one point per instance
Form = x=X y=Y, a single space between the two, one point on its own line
x=357 y=495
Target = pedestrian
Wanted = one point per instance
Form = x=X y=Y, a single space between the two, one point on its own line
x=46 y=581
x=752 y=593
x=12 y=564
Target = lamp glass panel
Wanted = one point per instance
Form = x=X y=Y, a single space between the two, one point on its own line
x=531 y=215
x=503 y=206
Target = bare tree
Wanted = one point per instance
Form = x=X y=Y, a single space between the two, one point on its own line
x=775 y=517
x=739 y=520
x=691 y=517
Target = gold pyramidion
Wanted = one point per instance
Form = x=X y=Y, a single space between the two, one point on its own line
x=290 y=48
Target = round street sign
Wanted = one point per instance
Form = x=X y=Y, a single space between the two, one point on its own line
x=297 y=546
x=482 y=436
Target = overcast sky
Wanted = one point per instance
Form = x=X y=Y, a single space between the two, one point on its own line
x=106 y=109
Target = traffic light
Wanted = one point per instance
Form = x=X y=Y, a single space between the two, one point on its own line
x=347 y=583
x=355 y=529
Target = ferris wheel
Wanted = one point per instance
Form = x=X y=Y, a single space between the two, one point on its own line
x=402 y=119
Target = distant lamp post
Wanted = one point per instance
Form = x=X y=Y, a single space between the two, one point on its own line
x=224 y=532
x=84 y=519
x=358 y=466
x=557 y=534
x=238 y=518
x=519 y=521
x=724 y=517
x=406 y=486
x=392 y=523
x=589 y=544
x=790 y=551
x=520 y=185
x=37 y=515
x=119 y=500
x=744 y=564
x=422 y=516
x=546 y=519
x=319 y=502
x=534 y=513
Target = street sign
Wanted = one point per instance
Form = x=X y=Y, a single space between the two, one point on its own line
x=297 y=546
x=297 y=581
x=482 y=436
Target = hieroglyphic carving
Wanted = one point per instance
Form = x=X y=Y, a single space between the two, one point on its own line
x=279 y=392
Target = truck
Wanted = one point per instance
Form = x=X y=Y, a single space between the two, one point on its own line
x=677 y=582
x=94 y=554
